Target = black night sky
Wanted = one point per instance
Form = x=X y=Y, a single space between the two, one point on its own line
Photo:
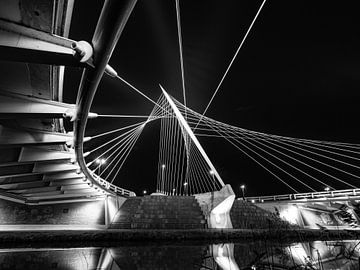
x=297 y=75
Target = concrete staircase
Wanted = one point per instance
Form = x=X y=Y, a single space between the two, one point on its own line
x=159 y=212
x=246 y=215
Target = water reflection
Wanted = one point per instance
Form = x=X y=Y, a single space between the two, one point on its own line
x=341 y=255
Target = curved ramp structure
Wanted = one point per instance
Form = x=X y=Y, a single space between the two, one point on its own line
x=40 y=163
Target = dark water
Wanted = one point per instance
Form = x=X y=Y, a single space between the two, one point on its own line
x=329 y=255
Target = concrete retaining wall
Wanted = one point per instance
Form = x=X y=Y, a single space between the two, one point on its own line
x=80 y=213
x=245 y=215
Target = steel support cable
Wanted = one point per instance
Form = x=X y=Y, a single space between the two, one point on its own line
x=307 y=157
x=198 y=186
x=122 y=149
x=129 y=150
x=171 y=165
x=189 y=179
x=327 y=151
x=138 y=91
x=113 y=153
x=188 y=171
x=121 y=116
x=159 y=172
x=183 y=158
x=117 y=158
x=257 y=162
x=112 y=140
x=171 y=155
x=123 y=152
x=178 y=156
x=197 y=116
x=237 y=129
x=128 y=153
x=171 y=150
x=329 y=175
x=226 y=126
x=154 y=115
x=317 y=161
x=329 y=146
x=195 y=172
x=321 y=155
x=264 y=138
x=232 y=61
x=117 y=130
x=202 y=171
x=292 y=158
x=159 y=111
x=162 y=150
x=342 y=181
x=191 y=172
x=294 y=142
x=183 y=149
x=123 y=141
x=199 y=164
x=175 y=154
x=211 y=180
x=187 y=145
x=167 y=159
x=167 y=151
x=207 y=174
x=263 y=166
x=108 y=150
x=165 y=146
x=350 y=145
x=178 y=20
x=198 y=171
x=161 y=155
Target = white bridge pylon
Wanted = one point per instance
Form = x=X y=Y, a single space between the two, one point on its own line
x=185 y=126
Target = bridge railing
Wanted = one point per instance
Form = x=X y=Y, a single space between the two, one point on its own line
x=344 y=193
x=118 y=190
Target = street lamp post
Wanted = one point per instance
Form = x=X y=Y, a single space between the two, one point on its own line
x=185 y=188
x=212 y=173
x=243 y=191
x=100 y=162
x=327 y=189
x=144 y=192
x=162 y=177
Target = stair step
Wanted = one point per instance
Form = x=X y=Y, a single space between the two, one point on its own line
x=159 y=212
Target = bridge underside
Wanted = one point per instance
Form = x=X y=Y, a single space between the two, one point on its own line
x=36 y=165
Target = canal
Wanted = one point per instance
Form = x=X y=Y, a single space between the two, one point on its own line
x=339 y=254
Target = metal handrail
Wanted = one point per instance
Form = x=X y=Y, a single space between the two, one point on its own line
x=311 y=195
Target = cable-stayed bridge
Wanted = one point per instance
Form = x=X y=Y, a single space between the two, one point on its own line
x=42 y=163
